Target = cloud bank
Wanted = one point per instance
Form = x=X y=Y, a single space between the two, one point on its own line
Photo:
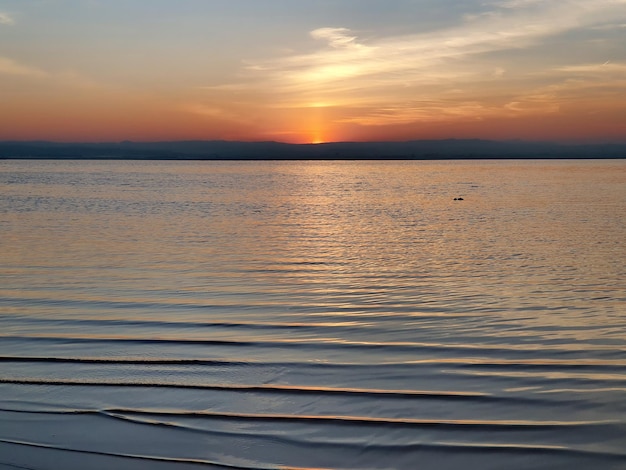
x=477 y=68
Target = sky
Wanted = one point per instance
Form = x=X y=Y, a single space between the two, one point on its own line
x=310 y=71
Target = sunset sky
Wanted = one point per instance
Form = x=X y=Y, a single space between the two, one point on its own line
x=312 y=71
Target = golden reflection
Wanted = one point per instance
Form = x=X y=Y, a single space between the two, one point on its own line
x=544 y=375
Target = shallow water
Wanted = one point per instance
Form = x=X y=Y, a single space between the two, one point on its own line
x=344 y=315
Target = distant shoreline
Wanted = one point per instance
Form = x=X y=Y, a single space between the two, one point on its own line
x=269 y=159
x=450 y=149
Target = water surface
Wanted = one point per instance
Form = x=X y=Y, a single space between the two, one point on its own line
x=328 y=315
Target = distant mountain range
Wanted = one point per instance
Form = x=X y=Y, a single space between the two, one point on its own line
x=228 y=150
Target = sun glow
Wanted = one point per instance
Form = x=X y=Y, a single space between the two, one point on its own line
x=316 y=122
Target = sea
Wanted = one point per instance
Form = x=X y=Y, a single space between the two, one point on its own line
x=312 y=314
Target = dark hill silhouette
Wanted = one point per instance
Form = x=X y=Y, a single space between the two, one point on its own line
x=230 y=150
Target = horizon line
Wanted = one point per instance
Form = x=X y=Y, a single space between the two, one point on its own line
x=245 y=141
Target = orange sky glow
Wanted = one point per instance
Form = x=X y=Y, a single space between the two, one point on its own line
x=332 y=71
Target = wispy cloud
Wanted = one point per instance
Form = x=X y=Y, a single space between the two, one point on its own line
x=598 y=82
x=11 y=67
x=6 y=19
x=596 y=69
x=375 y=75
x=517 y=3
x=38 y=77
x=412 y=55
x=336 y=37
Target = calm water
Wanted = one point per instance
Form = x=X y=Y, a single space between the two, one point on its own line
x=344 y=315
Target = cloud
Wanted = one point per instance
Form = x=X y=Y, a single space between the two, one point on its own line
x=591 y=82
x=604 y=68
x=336 y=37
x=6 y=19
x=465 y=71
x=517 y=3
x=45 y=78
x=11 y=67
x=422 y=57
